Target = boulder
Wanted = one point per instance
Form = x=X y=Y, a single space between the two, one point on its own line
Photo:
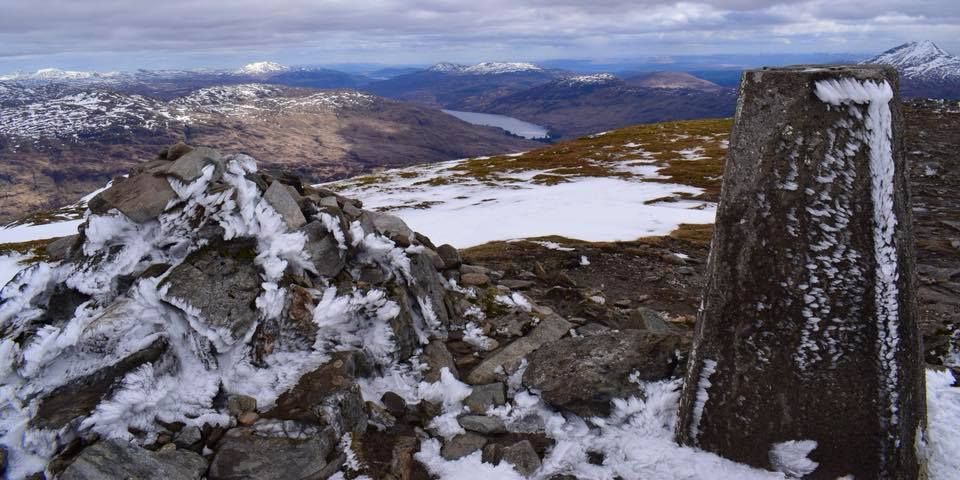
x=474 y=279
x=583 y=374
x=387 y=455
x=80 y=396
x=243 y=454
x=177 y=150
x=111 y=459
x=391 y=227
x=450 y=255
x=483 y=397
x=429 y=285
x=522 y=456
x=222 y=283
x=140 y=197
x=62 y=248
x=462 y=445
x=189 y=166
x=482 y=424
x=328 y=395
x=551 y=328
x=280 y=198
x=437 y=357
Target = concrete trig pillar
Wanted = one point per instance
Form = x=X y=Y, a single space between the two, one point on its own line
x=806 y=354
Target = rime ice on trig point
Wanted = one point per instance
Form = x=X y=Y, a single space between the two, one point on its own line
x=806 y=354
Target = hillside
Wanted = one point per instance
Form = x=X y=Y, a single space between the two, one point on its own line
x=461 y=87
x=582 y=105
x=59 y=145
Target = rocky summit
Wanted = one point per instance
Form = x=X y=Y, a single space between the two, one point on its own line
x=213 y=321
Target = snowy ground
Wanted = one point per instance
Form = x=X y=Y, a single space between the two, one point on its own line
x=469 y=212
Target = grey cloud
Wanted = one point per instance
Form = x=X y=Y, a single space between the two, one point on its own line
x=33 y=32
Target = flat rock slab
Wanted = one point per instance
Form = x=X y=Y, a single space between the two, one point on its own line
x=551 y=328
x=189 y=166
x=113 y=459
x=244 y=455
x=584 y=374
x=140 y=198
x=222 y=283
x=281 y=199
x=328 y=395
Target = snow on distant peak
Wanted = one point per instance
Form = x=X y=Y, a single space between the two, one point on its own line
x=593 y=79
x=55 y=74
x=501 y=67
x=262 y=68
x=446 y=67
x=485 y=68
x=920 y=59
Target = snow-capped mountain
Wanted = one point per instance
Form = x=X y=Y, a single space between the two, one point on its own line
x=920 y=59
x=926 y=69
x=485 y=68
x=262 y=68
x=593 y=79
x=55 y=74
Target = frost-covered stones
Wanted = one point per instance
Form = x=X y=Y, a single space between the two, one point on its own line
x=328 y=395
x=119 y=459
x=808 y=331
x=78 y=397
x=583 y=374
x=189 y=166
x=325 y=253
x=218 y=285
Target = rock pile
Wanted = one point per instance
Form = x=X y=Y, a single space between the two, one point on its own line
x=210 y=320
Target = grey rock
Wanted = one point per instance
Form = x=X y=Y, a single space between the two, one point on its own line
x=352 y=210
x=189 y=167
x=328 y=202
x=485 y=396
x=685 y=270
x=222 y=282
x=465 y=269
x=328 y=395
x=584 y=374
x=62 y=248
x=243 y=455
x=239 y=404
x=592 y=329
x=112 y=459
x=437 y=357
x=650 y=320
x=177 y=150
x=482 y=424
x=280 y=198
x=474 y=279
x=514 y=284
x=325 y=254
x=404 y=332
x=429 y=284
x=511 y=324
x=462 y=445
x=522 y=456
x=434 y=258
x=140 y=197
x=450 y=255
x=391 y=227
x=774 y=372
x=80 y=396
x=551 y=328
x=188 y=437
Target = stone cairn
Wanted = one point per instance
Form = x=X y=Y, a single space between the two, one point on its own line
x=806 y=355
x=210 y=320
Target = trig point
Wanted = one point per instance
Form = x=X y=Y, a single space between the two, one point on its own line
x=806 y=355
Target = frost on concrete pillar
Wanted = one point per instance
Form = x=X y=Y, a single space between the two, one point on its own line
x=806 y=354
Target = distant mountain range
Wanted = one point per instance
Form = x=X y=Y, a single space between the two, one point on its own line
x=926 y=70
x=57 y=142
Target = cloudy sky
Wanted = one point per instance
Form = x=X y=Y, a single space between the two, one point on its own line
x=126 y=34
